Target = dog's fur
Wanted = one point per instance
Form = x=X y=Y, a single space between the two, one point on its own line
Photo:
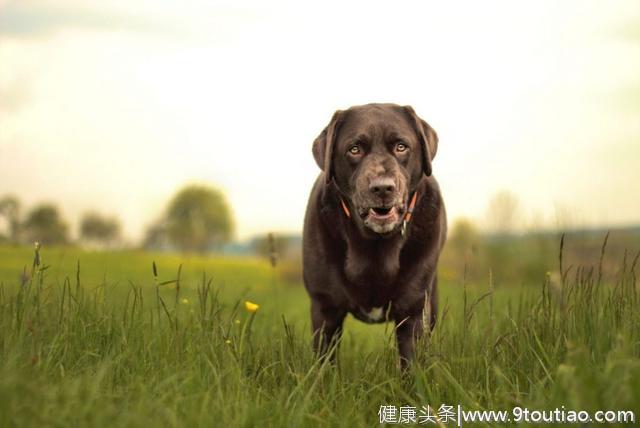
x=356 y=258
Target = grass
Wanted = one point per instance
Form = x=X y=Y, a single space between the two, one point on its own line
x=110 y=344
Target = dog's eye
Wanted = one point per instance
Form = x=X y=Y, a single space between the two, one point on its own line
x=355 y=149
x=401 y=147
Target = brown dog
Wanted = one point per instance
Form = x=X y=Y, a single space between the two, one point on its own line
x=375 y=224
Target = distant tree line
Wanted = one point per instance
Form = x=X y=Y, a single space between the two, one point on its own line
x=197 y=219
x=44 y=223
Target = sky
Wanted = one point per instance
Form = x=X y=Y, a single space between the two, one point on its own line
x=114 y=105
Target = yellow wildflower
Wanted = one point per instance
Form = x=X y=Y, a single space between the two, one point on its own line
x=250 y=306
x=185 y=301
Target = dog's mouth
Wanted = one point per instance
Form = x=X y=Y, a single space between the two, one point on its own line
x=381 y=219
x=381 y=212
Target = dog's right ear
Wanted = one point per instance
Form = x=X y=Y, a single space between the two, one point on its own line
x=323 y=145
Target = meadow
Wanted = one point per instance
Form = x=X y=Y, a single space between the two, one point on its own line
x=106 y=339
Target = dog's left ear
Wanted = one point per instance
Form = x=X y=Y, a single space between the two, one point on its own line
x=323 y=145
x=428 y=138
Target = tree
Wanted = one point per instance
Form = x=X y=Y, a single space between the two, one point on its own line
x=96 y=228
x=44 y=224
x=464 y=238
x=503 y=213
x=155 y=237
x=272 y=247
x=198 y=218
x=462 y=250
x=10 y=210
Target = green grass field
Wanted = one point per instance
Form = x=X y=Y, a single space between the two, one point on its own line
x=94 y=339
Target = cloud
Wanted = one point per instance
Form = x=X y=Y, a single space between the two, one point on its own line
x=36 y=19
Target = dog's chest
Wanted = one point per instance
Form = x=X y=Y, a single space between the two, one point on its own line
x=372 y=266
x=371 y=289
x=372 y=315
x=375 y=314
x=371 y=274
x=372 y=277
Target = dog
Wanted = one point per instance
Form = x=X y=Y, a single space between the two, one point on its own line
x=374 y=227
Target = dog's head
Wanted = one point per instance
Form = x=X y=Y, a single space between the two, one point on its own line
x=376 y=154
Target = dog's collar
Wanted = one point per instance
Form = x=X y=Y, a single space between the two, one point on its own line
x=405 y=220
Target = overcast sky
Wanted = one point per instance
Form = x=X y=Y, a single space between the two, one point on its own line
x=114 y=105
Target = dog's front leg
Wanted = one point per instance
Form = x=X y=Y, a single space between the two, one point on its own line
x=408 y=331
x=326 y=323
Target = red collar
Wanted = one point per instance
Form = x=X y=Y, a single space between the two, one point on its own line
x=407 y=215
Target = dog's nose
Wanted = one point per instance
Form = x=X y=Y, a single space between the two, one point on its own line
x=382 y=187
